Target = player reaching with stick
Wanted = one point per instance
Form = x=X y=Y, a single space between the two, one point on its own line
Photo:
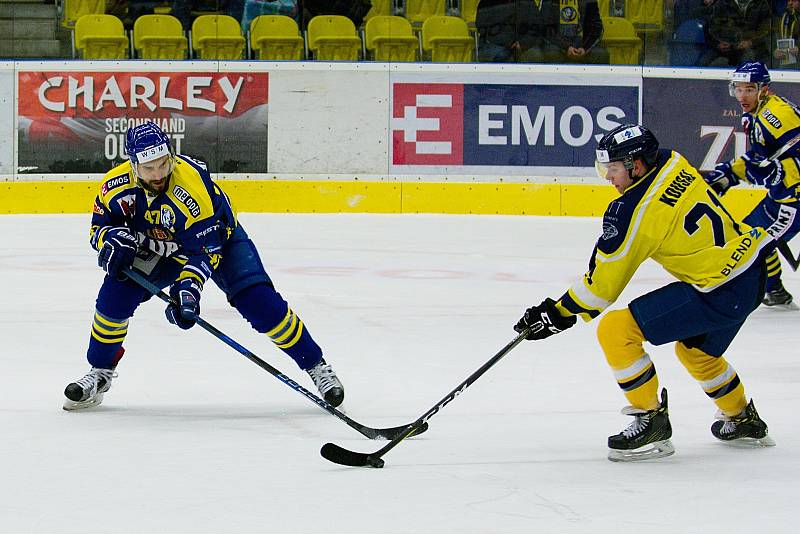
x=666 y=212
x=161 y=213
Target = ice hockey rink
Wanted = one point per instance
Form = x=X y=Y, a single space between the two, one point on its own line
x=195 y=438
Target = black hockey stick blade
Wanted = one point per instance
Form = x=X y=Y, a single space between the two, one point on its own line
x=339 y=455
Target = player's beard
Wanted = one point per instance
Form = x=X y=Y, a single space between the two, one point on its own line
x=151 y=191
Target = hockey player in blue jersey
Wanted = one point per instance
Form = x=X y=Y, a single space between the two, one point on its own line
x=770 y=122
x=665 y=212
x=162 y=214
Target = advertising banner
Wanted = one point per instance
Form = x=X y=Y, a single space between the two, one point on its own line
x=698 y=118
x=6 y=120
x=518 y=128
x=75 y=121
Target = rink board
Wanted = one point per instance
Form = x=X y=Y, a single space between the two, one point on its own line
x=357 y=137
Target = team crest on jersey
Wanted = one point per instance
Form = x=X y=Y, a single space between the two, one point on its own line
x=609 y=231
x=167 y=216
x=568 y=14
x=184 y=196
x=114 y=183
x=128 y=205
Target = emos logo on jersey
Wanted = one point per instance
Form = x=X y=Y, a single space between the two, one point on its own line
x=490 y=125
x=427 y=124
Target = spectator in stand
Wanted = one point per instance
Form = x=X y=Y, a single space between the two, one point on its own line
x=562 y=31
x=496 y=21
x=540 y=31
x=737 y=31
x=786 y=56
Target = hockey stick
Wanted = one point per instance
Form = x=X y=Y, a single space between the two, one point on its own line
x=371 y=433
x=790 y=144
x=784 y=249
x=342 y=456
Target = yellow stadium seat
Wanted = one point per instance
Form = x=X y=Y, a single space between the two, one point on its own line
x=379 y=7
x=619 y=38
x=276 y=37
x=647 y=16
x=333 y=38
x=75 y=9
x=418 y=11
x=447 y=39
x=101 y=37
x=391 y=39
x=469 y=11
x=159 y=37
x=605 y=8
x=217 y=37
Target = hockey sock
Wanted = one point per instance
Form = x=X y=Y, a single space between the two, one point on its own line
x=716 y=376
x=773 y=270
x=268 y=313
x=621 y=340
x=106 y=341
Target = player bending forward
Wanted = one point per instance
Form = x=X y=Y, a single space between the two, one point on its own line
x=666 y=212
x=161 y=213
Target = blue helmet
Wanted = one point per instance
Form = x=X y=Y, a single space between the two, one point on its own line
x=146 y=142
x=751 y=72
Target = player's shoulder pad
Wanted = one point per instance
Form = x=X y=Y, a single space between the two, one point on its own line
x=188 y=191
x=116 y=181
x=779 y=115
x=198 y=165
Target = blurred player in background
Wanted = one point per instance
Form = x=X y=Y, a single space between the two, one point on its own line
x=162 y=214
x=770 y=122
x=666 y=212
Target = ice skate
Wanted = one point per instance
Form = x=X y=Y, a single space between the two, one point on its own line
x=646 y=438
x=744 y=430
x=88 y=391
x=779 y=299
x=329 y=386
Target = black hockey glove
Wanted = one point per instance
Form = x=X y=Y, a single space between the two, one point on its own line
x=544 y=320
x=721 y=178
x=118 y=250
x=186 y=307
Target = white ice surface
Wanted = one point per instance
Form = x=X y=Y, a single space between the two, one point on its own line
x=194 y=438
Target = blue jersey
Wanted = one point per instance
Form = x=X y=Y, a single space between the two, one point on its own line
x=190 y=221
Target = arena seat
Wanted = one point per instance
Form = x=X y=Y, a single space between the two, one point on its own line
x=647 y=16
x=333 y=38
x=619 y=38
x=72 y=10
x=688 y=43
x=159 y=37
x=217 y=37
x=391 y=39
x=418 y=11
x=276 y=38
x=447 y=39
x=101 y=37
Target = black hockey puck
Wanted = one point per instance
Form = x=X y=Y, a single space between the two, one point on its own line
x=375 y=462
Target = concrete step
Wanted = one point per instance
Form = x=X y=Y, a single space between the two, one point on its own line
x=28 y=11
x=28 y=28
x=30 y=48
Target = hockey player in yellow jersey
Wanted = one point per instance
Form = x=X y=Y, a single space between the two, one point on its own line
x=772 y=124
x=665 y=212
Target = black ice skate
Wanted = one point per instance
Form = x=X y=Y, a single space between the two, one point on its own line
x=329 y=386
x=779 y=298
x=744 y=430
x=88 y=391
x=646 y=438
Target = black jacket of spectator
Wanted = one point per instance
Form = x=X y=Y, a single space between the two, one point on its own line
x=736 y=21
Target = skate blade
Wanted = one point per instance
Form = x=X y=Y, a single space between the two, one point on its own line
x=751 y=443
x=71 y=405
x=651 y=451
x=792 y=306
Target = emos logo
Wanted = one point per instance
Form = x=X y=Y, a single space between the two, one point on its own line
x=428 y=124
